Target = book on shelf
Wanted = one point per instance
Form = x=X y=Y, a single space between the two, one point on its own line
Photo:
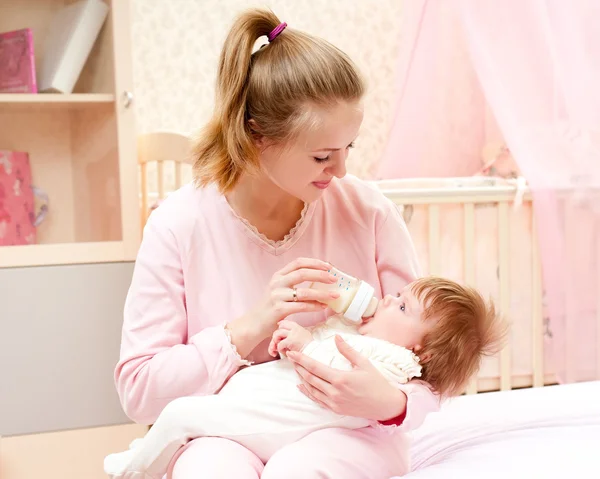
x=17 y=62
x=18 y=217
x=72 y=34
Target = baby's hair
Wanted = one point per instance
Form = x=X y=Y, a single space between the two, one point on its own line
x=466 y=329
x=267 y=94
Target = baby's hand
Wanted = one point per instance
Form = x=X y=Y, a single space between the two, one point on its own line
x=290 y=336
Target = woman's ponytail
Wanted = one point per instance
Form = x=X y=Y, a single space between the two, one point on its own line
x=225 y=148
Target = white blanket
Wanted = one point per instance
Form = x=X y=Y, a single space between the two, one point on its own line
x=550 y=432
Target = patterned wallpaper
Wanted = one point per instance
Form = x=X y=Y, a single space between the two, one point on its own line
x=176 y=46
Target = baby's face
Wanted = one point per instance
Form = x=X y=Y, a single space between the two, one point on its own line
x=399 y=320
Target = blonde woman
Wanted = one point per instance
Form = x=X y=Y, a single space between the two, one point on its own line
x=224 y=260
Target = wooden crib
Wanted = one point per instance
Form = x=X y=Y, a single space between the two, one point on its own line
x=480 y=231
x=456 y=218
x=452 y=218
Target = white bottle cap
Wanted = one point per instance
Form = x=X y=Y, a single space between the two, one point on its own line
x=360 y=303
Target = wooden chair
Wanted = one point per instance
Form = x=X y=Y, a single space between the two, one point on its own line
x=165 y=165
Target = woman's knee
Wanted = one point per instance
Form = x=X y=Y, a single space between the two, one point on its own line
x=289 y=463
x=216 y=458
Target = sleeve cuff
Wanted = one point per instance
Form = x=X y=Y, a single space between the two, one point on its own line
x=395 y=421
x=240 y=361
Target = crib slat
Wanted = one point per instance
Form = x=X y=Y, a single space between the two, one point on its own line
x=537 y=318
x=598 y=305
x=469 y=264
x=569 y=228
x=144 y=191
x=160 y=172
x=178 y=175
x=504 y=273
x=434 y=239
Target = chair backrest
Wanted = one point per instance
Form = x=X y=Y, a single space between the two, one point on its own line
x=165 y=165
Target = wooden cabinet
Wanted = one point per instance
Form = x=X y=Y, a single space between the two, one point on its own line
x=81 y=146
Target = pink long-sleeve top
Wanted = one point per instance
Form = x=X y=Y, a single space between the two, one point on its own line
x=200 y=266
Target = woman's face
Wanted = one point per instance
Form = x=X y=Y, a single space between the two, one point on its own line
x=304 y=167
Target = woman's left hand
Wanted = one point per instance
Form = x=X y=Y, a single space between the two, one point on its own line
x=363 y=392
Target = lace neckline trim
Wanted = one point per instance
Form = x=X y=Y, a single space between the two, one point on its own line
x=261 y=236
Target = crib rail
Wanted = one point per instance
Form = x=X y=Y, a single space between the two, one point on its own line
x=499 y=199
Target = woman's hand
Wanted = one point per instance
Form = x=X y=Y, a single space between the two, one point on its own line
x=282 y=299
x=363 y=392
x=290 y=336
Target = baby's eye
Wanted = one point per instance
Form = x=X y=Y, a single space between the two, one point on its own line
x=402 y=307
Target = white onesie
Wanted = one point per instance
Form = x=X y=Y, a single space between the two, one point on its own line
x=260 y=407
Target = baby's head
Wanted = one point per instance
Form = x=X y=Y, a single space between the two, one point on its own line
x=449 y=326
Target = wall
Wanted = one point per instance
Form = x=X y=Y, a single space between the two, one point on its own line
x=176 y=45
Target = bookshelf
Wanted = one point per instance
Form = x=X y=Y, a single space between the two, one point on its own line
x=81 y=146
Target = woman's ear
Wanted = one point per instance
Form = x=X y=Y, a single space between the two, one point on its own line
x=259 y=140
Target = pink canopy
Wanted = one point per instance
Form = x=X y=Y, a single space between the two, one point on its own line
x=527 y=73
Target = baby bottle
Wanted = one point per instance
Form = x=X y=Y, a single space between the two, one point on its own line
x=356 y=298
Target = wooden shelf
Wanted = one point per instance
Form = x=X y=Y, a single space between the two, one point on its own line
x=55 y=99
x=62 y=253
x=81 y=146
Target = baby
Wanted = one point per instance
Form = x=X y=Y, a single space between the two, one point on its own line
x=448 y=325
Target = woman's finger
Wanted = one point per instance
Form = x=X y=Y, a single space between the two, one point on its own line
x=352 y=355
x=319 y=295
x=305 y=295
x=299 y=263
x=317 y=368
x=285 y=309
x=304 y=275
x=314 y=381
x=314 y=395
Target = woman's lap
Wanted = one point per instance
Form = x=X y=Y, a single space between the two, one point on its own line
x=216 y=458
x=369 y=453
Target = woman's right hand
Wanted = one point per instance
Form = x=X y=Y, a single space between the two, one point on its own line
x=282 y=299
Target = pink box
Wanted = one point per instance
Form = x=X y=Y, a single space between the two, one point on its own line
x=17 y=203
x=17 y=62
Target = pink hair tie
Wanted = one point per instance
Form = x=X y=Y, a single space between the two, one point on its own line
x=276 y=31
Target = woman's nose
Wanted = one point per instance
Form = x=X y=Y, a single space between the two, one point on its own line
x=338 y=168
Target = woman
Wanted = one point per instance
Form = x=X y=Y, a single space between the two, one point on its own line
x=224 y=260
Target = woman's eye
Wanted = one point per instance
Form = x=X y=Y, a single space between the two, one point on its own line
x=402 y=307
x=351 y=145
x=320 y=160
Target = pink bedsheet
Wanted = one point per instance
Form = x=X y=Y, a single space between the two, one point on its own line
x=530 y=433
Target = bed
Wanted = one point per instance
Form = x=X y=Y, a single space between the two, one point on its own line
x=545 y=432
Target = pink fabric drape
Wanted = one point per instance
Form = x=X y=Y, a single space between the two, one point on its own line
x=538 y=68
x=438 y=126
